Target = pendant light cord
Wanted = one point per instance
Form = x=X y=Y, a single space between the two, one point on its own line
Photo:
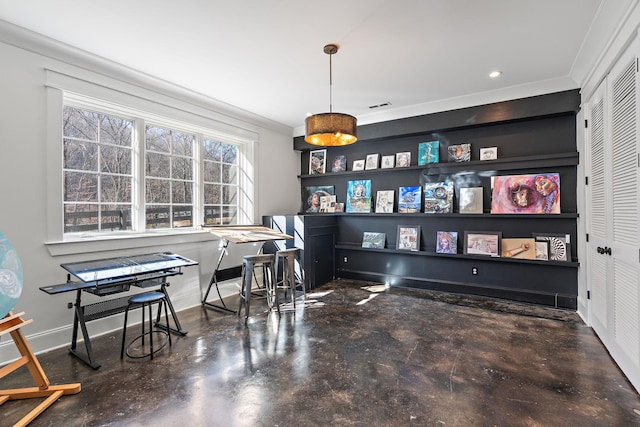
x=330 y=85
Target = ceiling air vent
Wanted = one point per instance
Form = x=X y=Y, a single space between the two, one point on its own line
x=384 y=104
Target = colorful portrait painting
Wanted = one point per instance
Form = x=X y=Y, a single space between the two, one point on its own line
x=526 y=194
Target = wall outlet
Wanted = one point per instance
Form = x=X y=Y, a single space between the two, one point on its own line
x=474 y=271
x=345 y=260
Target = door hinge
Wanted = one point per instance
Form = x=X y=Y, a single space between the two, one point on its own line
x=587 y=237
x=586 y=180
x=586 y=123
x=588 y=294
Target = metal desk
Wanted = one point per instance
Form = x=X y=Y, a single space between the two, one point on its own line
x=111 y=276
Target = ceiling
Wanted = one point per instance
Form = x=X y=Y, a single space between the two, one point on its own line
x=266 y=56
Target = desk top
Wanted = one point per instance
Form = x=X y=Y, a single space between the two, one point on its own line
x=125 y=266
x=246 y=233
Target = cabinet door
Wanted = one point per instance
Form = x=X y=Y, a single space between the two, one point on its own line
x=322 y=259
x=614 y=248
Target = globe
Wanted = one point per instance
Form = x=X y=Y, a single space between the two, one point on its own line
x=10 y=276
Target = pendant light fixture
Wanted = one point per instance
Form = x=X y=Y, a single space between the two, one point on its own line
x=330 y=129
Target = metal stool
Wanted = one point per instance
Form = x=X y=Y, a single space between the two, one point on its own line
x=289 y=258
x=249 y=264
x=146 y=299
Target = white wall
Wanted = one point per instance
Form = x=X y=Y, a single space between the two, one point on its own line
x=23 y=174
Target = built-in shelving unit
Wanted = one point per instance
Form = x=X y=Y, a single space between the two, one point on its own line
x=533 y=135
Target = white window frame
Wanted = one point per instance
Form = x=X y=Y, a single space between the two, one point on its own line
x=144 y=107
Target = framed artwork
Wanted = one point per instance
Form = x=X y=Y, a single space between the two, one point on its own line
x=372 y=161
x=358 y=165
x=482 y=242
x=388 y=162
x=471 y=200
x=359 y=196
x=542 y=250
x=339 y=207
x=311 y=197
x=559 y=245
x=384 y=201
x=438 y=197
x=447 y=242
x=327 y=204
x=403 y=160
x=408 y=237
x=409 y=199
x=428 y=152
x=373 y=240
x=459 y=153
x=317 y=162
x=519 y=248
x=339 y=164
x=526 y=194
x=489 y=153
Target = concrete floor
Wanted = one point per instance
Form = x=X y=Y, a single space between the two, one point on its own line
x=351 y=357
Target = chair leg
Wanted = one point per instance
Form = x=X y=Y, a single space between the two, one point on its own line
x=166 y=316
x=150 y=330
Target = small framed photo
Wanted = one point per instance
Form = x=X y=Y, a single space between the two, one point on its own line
x=447 y=242
x=339 y=164
x=385 y=201
x=408 y=237
x=358 y=165
x=373 y=240
x=403 y=160
x=519 y=248
x=317 y=162
x=388 y=162
x=542 y=250
x=559 y=245
x=372 y=161
x=489 y=153
x=459 y=153
x=470 y=200
x=482 y=242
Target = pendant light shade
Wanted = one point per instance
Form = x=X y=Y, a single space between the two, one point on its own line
x=330 y=129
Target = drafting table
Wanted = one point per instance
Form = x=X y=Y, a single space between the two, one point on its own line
x=111 y=276
x=237 y=234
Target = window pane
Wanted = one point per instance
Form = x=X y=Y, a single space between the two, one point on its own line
x=229 y=174
x=157 y=139
x=115 y=160
x=212 y=172
x=115 y=130
x=182 y=191
x=157 y=165
x=229 y=153
x=182 y=168
x=157 y=191
x=80 y=217
x=80 y=155
x=212 y=150
x=115 y=188
x=79 y=123
x=80 y=187
x=230 y=193
x=158 y=216
x=116 y=217
x=182 y=216
x=212 y=215
x=230 y=215
x=212 y=194
x=183 y=144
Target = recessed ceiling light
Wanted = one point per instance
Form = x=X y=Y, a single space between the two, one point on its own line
x=494 y=74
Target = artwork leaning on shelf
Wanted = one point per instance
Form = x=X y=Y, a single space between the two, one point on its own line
x=526 y=194
x=438 y=197
x=359 y=196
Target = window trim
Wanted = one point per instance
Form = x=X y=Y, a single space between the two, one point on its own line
x=63 y=89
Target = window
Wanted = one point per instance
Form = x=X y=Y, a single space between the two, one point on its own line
x=97 y=171
x=185 y=179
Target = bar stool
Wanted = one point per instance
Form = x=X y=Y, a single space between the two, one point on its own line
x=146 y=299
x=249 y=264
x=289 y=258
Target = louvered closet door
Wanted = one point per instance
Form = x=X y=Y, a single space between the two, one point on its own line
x=598 y=199
x=624 y=242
